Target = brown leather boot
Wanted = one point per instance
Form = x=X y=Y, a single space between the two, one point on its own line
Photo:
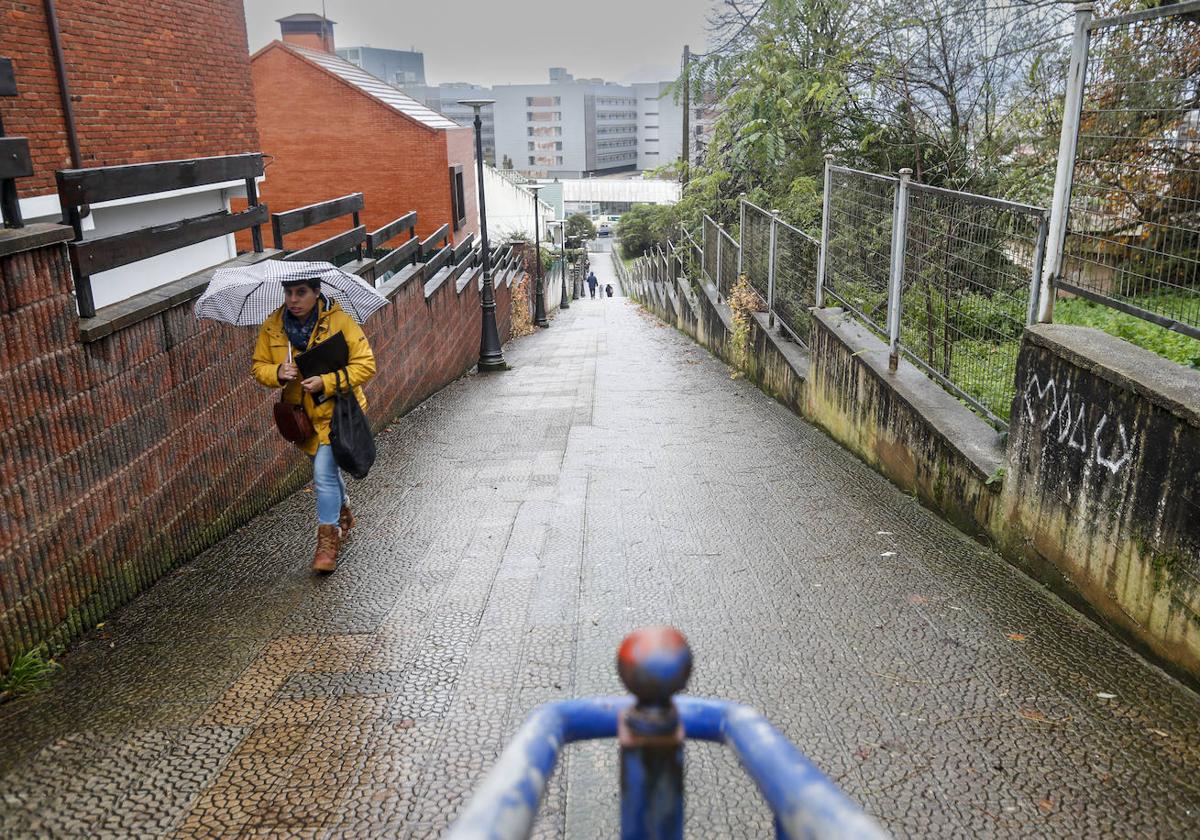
x=346 y=521
x=325 y=560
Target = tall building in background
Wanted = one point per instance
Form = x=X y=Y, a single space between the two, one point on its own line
x=659 y=124
x=568 y=128
x=396 y=67
x=444 y=98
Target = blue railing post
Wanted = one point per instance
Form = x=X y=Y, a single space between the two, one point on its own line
x=654 y=663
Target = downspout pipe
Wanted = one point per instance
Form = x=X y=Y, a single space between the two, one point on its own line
x=64 y=89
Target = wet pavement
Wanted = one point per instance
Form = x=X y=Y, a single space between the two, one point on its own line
x=513 y=530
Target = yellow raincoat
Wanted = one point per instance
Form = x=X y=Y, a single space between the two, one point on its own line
x=272 y=350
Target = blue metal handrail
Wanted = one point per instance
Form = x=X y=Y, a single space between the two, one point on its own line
x=806 y=804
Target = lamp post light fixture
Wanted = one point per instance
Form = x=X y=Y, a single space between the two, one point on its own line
x=539 y=306
x=491 y=357
x=565 y=303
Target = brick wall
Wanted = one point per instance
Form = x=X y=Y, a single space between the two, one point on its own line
x=153 y=81
x=121 y=458
x=324 y=139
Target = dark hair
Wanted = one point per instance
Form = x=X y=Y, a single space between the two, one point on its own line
x=313 y=283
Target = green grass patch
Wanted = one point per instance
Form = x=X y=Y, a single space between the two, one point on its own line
x=30 y=672
x=1160 y=340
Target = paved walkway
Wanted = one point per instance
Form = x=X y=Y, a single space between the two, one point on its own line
x=515 y=527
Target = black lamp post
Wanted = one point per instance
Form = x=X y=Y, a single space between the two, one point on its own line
x=562 y=227
x=491 y=357
x=539 y=306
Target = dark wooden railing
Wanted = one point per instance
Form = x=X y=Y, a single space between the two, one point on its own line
x=408 y=252
x=291 y=221
x=79 y=187
x=15 y=161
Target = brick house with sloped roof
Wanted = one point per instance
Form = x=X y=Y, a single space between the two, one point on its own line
x=145 y=82
x=329 y=128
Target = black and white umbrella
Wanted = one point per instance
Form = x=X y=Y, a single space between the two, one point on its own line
x=245 y=295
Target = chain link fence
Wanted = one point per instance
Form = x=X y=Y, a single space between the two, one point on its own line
x=796 y=255
x=756 y=245
x=712 y=238
x=972 y=265
x=728 y=269
x=858 y=249
x=1133 y=230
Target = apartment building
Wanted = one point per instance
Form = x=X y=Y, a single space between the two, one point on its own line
x=444 y=99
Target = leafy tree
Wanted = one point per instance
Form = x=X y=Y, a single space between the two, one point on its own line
x=646 y=226
x=580 y=226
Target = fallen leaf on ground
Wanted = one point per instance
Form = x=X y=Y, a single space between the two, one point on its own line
x=1016 y=637
x=1159 y=732
x=1047 y=805
x=1032 y=714
x=917 y=600
x=862 y=753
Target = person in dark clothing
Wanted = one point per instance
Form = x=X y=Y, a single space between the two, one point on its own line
x=592 y=282
x=608 y=289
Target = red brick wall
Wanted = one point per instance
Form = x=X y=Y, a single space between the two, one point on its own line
x=324 y=140
x=112 y=471
x=154 y=81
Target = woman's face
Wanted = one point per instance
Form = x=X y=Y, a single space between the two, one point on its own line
x=299 y=300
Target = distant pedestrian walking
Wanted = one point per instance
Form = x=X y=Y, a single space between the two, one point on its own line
x=592 y=283
x=608 y=289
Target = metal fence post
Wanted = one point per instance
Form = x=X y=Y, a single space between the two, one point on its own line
x=703 y=249
x=719 y=261
x=1035 y=277
x=1060 y=207
x=741 y=233
x=819 y=295
x=771 y=268
x=899 y=242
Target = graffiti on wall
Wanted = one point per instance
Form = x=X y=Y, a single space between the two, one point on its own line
x=1065 y=420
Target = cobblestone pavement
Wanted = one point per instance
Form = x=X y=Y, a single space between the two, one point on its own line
x=514 y=529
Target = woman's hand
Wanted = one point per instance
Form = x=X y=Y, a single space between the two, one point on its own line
x=313 y=385
x=287 y=372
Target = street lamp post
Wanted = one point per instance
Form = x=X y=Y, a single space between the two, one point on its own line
x=539 y=306
x=491 y=357
x=562 y=228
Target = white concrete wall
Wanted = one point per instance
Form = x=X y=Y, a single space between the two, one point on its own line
x=125 y=215
x=510 y=208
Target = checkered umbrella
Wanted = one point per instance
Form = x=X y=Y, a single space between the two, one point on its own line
x=245 y=295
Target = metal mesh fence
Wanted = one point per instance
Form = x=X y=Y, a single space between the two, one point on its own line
x=971 y=265
x=711 y=237
x=858 y=251
x=1133 y=236
x=692 y=255
x=795 y=278
x=729 y=263
x=756 y=240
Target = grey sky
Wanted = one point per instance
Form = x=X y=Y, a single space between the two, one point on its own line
x=510 y=41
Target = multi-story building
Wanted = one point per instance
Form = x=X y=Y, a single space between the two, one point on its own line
x=659 y=125
x=444 y=99
x=396 y=67
x=570 y=128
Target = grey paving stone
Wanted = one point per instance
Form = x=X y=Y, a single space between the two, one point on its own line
x=515 y=528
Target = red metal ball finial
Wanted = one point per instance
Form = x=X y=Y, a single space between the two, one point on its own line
x=654 y=663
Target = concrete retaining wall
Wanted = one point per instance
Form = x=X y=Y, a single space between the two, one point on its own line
x=1102 y=492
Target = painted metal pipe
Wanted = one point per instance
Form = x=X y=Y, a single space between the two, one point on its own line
x=819 y=295
x=896 y=277
x=1060 y=205
x=806 y=803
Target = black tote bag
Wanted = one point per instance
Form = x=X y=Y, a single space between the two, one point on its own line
x=349 y=434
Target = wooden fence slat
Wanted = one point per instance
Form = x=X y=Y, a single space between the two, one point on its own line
x=106 y=183
x=96 y=255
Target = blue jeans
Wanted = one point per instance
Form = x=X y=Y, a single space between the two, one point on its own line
x=330 y=487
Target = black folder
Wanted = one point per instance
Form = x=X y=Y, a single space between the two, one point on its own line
x=329 y=355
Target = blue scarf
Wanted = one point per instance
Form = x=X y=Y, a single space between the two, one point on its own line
x=299 y=334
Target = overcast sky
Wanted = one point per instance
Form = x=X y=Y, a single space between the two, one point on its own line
x=510 y=41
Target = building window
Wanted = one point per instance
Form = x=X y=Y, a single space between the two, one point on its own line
x=542 y=101
x=458 y=197
x=531 y=145
x=531 y=160
x=651 y=113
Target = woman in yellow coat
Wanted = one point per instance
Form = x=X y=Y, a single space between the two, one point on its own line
x=307 y=318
